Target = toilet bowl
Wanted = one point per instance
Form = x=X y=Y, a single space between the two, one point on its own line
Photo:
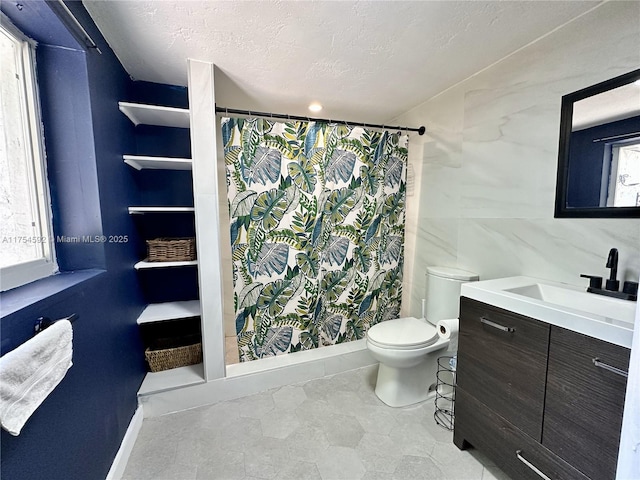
x=408 y=348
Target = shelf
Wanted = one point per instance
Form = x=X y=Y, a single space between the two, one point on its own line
x=155 y=115
x=144 y=265
x=155 y=382
x=157 y=312
x=142 y=210
x=157 y=163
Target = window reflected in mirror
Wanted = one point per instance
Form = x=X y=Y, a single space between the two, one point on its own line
x=624 y=190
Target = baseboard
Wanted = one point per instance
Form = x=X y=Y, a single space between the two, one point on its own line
x=122 y=457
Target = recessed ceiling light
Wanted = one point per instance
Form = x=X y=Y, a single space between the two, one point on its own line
x=315 y=107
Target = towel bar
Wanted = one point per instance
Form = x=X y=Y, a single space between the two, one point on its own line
x=45 y=322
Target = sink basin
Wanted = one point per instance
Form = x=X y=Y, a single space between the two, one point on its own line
x=567 y=306
x=612 y=308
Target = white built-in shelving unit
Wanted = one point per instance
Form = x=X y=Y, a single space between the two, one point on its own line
x=155 y=115
x=140 y=162
x=157 y=312
x=156 y=382
x=142 y=210
x=145 y=265
x=159 y=116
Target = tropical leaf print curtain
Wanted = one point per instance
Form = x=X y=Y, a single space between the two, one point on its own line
x=317 y=232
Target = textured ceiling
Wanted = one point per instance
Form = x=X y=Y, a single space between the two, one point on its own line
x=366 y=60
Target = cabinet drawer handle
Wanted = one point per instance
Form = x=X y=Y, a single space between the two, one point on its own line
x=530 y=465
x=486 y=321
x=596 y=361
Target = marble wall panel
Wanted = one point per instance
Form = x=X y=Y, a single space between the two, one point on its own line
x=558 y=250
x=487 y=165
x=437 y=244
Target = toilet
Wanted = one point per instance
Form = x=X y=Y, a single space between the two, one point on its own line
x=408 y=348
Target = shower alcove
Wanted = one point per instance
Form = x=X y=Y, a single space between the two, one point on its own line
x=213 y=380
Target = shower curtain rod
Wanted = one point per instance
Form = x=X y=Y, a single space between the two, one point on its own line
x=250 y=113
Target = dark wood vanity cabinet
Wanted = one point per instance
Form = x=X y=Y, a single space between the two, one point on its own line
x=515 y=452
x=502 y=360
x=585 y=401
x=531 y=397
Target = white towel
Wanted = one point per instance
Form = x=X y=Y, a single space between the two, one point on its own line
x=29 y=374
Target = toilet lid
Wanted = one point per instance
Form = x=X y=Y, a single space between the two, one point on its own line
x=407 y=332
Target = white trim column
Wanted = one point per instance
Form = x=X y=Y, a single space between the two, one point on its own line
x=206 y=181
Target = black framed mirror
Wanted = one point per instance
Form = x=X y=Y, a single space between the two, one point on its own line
x=599 y=152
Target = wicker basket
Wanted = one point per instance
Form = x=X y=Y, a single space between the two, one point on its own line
x=171 y=249
x=160 y=360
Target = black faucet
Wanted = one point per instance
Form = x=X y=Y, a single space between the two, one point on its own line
x=612 y=262
x=612 y=285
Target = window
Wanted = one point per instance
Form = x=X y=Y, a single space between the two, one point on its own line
x=624 y=181
x=26 y=240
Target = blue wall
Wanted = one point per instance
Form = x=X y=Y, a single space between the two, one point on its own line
x=77 y=431
x=586 y=160
x=71 y=159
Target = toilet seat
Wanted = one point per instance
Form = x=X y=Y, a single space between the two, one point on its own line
x=408 y=333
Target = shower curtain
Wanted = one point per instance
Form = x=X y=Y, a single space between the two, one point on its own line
x=317 y=231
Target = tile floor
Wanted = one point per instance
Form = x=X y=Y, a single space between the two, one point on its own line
x=329 y=428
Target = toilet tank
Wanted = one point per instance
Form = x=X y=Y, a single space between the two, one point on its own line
x=443 y=292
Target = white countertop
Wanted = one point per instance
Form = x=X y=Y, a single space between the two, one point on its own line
x=598 y=316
